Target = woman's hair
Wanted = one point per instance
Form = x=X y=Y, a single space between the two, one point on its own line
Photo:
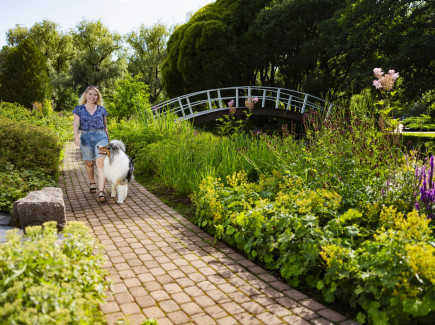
x=99 y=99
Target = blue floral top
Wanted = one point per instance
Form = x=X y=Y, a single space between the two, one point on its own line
x=88 y=121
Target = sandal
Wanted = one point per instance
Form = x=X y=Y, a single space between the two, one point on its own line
x=102 y=197
x=92 y=188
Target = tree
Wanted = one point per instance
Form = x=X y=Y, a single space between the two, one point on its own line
x=24 y=77
x=99 y=60
x=149 y=52
x=57 y=47
x=211 y=49
x=130 y=97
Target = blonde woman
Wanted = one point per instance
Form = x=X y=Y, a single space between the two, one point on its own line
x=90 y=117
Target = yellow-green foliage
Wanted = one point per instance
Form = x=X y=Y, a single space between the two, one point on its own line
x=385 y=264
x=44 y=280
x=29 y=146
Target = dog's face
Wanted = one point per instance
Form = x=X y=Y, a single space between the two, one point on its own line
x=108 y=149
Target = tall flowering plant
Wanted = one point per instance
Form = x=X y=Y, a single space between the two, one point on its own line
x=384 y=82
x=229 y=124
x=425 y=198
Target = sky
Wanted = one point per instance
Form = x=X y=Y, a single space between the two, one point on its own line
x=121 y=16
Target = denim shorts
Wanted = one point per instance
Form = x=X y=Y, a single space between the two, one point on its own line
x=89 y=140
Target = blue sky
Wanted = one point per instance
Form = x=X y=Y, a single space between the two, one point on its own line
x=120 y=16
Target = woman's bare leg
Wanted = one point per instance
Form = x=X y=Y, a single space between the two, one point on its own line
x=100 y=171
x=90 y=170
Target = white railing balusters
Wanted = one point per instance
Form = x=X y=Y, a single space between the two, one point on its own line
x=289 y=103
x=190 y=106
x=303 y=105
x=299 y=101
x=263 y=102
x=209 y=100
x=181 y=106
x=277 y=97
x=219 y=98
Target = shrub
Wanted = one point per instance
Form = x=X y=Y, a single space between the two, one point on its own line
x=24 y=78
x=47 y=281
x=29 y=146
x=130 y=97
x=385 y=267
x=17 y=183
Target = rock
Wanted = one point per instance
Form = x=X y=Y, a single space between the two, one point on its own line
x=39 y=207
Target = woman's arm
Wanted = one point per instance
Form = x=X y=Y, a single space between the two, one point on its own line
x=105 y=127
x=76 y=126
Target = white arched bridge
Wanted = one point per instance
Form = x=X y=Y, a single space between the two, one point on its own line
x=209 y=105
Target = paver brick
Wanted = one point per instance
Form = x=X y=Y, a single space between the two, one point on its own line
x=204 y=301
x=191 y=308
x=153 y=312
x=110 y=307
x=178 y=317
x=295 y=320
x=136 y=319
x=253 y=307
x=269 y=318
x=168 y=306
x=304 y=312
x=130 y=308
x=145 y=301
x=321 y=321
x=227 y=321
x=203 y=319
x=123 y=298
x=331 y=315
x=132 y=282
x=137 y=291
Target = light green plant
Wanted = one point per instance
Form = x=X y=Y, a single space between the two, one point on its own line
x=46 y=280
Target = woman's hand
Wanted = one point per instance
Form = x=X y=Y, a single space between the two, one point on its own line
x=77 y=141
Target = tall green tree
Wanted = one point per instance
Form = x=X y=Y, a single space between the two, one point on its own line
x=57 y=47
x=212 y=49
x=100 y=59
x=148 y=47
x=24 y=78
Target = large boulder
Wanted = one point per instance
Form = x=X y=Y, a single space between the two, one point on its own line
x=39 y=207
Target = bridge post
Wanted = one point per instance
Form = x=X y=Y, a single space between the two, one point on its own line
x=181 y=107
x=219 y=98
x=278 y=94
x=289 y=103
x=263 y=103
x=190 y=106
x=209 y=100
x=305 y=103
x=329 y=109
x=237 y=97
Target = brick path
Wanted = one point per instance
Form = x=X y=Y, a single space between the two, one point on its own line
x=165 y=267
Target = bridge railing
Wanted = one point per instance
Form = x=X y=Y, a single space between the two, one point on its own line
x=202 y=102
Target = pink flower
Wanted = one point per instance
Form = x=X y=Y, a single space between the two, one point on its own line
x=386 y=82
x=377 y=84
x=394 y=75
x=231 y=103
x=255 y=99
x=378 y=72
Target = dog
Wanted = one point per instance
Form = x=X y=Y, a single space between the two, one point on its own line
x=118 y=168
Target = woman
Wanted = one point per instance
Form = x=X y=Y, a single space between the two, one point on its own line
x=90 y=117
